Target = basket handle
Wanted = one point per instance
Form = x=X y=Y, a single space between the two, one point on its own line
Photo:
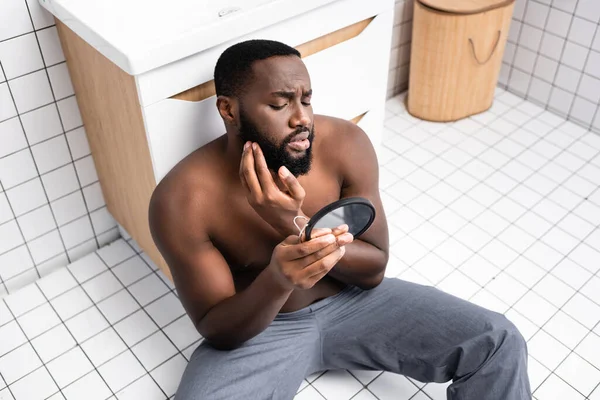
x=491 y=54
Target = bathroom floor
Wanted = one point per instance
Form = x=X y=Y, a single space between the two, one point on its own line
x=502 y=209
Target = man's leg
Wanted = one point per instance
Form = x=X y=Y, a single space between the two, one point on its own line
x=426 y=334
x=268 y=366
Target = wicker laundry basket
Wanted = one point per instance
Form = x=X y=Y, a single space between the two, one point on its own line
x=456 y=55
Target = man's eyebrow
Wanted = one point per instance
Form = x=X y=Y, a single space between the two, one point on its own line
x=290 y=94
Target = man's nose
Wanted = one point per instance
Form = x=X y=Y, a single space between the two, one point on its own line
x=301 y=117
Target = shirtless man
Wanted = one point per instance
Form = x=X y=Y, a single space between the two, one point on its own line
x=272 y=309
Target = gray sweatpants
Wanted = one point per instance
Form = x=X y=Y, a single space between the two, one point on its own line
x=401 y=327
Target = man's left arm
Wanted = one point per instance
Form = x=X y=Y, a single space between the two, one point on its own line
x=366 y=257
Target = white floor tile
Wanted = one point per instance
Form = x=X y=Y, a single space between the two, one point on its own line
x=143 y=388
x=11 y=337
x=182 y=332
x=567 y=330
x=309 y=393
x=554 y=290
x=136 y=327
x=547 y=350
x=485 y=299
x=71 y=303
x=337 y=385
x=36 y=386
x=56 y=283
x=69 y=367
x=583 y=310
x=365 y=394
x=459 y=285
x=506 y=288
x=131 y=270
x=24 y=299
x=121 y=371
x=537 y=373
x=555 y=388
x=91 y=387
x=165 y=310
x=525 y=326
x=118 y=306
x=86 y=324
x=18 y=363
x=148 y=289
x=389 y=386
x=453 y=252
x=580 y=374
x=154 y=350
x=535 y=308
x=169 y=374
x=571 y=273
x=479 y=270
x=103 y=347
x=87 y=267
x=587 y=257
x=5 y=314
x=53 y=343
x=437 y=391
x=38 y=320
x=102 y=286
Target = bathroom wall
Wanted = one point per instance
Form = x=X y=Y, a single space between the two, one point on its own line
x=553 y=57
x=51 y=206
x=400 y=51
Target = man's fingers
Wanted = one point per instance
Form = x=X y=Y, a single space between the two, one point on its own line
x=294 y=187
x=304 y=249
x=322 y=266
x=247 y=172
x=337 y=231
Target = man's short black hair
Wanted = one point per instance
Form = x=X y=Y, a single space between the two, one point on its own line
x=234 y=65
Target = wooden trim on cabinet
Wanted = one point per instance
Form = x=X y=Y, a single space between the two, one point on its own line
x=110 y=109
x=207 y=89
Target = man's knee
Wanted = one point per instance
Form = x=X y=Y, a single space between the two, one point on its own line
x=507 y=336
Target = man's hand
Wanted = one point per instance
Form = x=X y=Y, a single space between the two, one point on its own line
x=276 y=202
x=301 y=265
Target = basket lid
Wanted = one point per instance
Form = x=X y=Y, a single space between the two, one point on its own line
x=465 y=6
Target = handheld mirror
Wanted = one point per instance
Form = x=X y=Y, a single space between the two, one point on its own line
x=357 y=212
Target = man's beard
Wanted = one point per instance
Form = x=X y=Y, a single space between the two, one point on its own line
x=276 y=156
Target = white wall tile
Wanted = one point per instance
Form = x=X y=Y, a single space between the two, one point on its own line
x=36 y=223
x=11 y=137
x=26 y=197
x=53 y=264
x=77 y=232
x=536 y=14
x=531 y=37
x=69 y=113
x=41 y=124
x=17 y=168
x=593 y=64
x=60 y=81
x=50 y=44
x=560 y=101
x=582 y=31
x=565 y=5
x=584 y=110
x=78 y=143
x=567 y=78
x=552 y=46
x=589 y=9
x=596 y=44
x=539 y=90
x=41 y=18
x=7 y=106
x=558 y=22
x=15 y=19
x=525 y=59
x=20 y=56
x=519 y=81
x=15 y=261
x=6 y=213
x=82 y=250
x=31 y=91
x=46 y=247
x=86 y=170
x=589 y=88
x=575 y=55
x=69 y=208
x=60 y=182
x=51 y=154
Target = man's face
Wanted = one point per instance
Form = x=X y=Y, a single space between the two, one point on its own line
x=275 y=112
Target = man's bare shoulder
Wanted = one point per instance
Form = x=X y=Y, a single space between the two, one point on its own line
x=186 y=191
x=338 y=136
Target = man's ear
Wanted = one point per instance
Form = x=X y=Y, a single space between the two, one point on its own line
x=227 y=107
